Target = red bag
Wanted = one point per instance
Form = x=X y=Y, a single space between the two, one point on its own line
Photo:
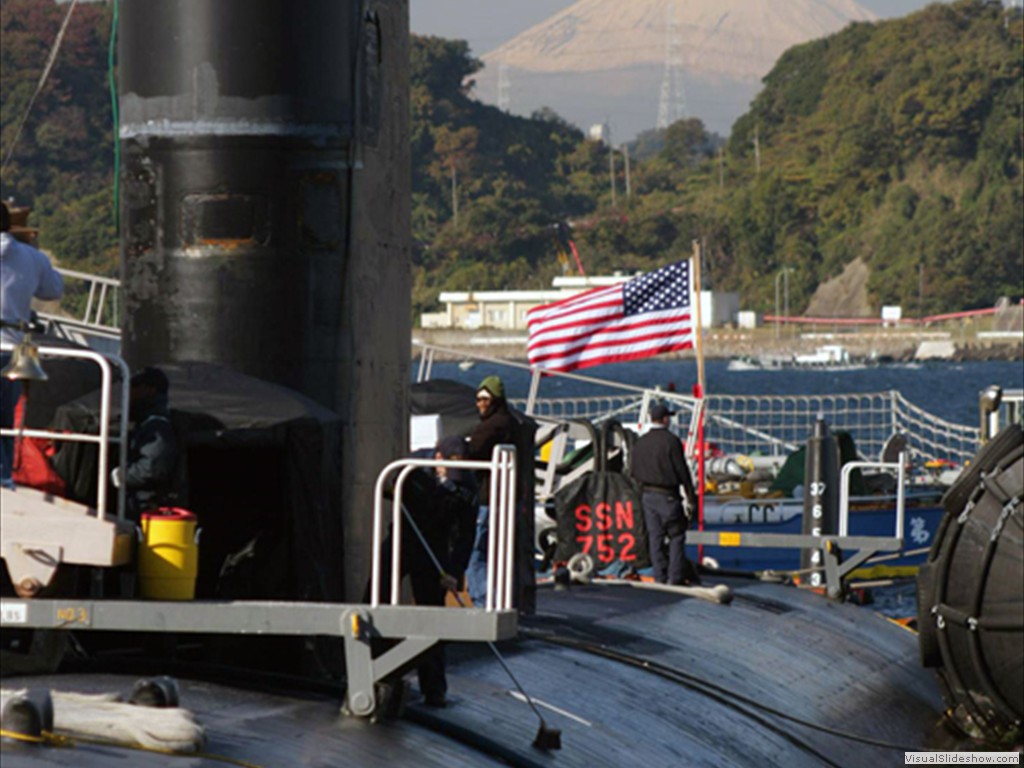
x=32 y=462
x=32 y=466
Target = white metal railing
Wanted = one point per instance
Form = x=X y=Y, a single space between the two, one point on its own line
x=900 y=465
x=103 y=439
x=501 y=528
x=776 y=425
x=779 y=424
x=754 y=425
x=99 y=316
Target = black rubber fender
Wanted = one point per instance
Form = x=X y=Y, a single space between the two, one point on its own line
x=927 y=634
x=986 y=458
x=971 y=593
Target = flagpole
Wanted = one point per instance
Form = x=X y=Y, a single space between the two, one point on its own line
x=700 y=328
x=699 y=394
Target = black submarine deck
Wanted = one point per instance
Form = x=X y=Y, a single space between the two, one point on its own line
x=631 y=677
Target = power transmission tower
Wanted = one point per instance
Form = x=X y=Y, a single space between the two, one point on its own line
x=504 y=88
x=672 y=102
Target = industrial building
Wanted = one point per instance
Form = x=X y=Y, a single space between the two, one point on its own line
x=506 y=310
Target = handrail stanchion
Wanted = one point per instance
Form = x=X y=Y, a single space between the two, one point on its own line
x=491 y=530
x=378 y=512
x=122 y=491
x=396 y=533
x=510 y=553
x=508 y=507
x=844 y=499
x=498 y=522
x=104 y=447
x=901 y=493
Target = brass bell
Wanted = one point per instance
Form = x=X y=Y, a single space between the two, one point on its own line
x=24 y=365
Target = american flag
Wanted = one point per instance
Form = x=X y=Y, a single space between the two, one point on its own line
x=645 y=316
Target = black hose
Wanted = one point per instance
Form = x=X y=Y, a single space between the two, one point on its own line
x=713 y=690
x=490 y=644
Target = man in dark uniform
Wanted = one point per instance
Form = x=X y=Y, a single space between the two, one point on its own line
x=658 y=464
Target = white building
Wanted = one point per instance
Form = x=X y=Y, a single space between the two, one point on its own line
x=506 y=310
x=600 y=132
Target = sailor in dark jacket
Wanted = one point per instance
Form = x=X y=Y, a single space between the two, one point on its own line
x=496 y=427
x=658 y=463
x=149 y=476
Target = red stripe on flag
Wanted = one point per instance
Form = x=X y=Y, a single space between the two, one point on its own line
x=613 y=336
x=620 y=358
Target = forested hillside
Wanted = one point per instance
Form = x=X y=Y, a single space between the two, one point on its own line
x=898 y=143
x=62 y=164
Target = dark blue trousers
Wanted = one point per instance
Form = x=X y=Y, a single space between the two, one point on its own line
x=663 y=514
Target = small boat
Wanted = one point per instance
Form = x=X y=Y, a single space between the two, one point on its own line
x=832 y=357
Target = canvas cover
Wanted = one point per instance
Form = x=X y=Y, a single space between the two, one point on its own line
x=454 y=401
x=601 y=514
x=791 y=475
x=261 y=469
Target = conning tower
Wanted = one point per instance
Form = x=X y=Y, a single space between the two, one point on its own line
x=264 y=207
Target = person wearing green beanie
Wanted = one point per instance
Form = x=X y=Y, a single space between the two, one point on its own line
x=494 y=386
x=496 y=427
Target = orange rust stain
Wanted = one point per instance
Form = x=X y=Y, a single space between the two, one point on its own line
x=228 y=244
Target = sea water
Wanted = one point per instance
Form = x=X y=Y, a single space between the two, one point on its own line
x=947 y=390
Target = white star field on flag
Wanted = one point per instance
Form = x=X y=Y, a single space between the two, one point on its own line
x=668 y=288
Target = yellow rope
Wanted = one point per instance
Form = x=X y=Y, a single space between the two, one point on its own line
x=57 y=740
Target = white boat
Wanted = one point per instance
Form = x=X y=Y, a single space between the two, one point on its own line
x=833 y=357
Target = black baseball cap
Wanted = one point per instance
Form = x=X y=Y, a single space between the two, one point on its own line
x=659 y=412
x=453 y=445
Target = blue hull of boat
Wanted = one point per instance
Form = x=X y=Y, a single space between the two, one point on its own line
x=920 y=526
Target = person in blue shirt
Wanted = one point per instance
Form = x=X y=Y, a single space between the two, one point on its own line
x=25 y=274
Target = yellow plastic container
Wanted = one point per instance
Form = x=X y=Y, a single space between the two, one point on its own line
x=545 y=450
x=168 y=555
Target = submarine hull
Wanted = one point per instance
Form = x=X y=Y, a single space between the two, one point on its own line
x=630 y=676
